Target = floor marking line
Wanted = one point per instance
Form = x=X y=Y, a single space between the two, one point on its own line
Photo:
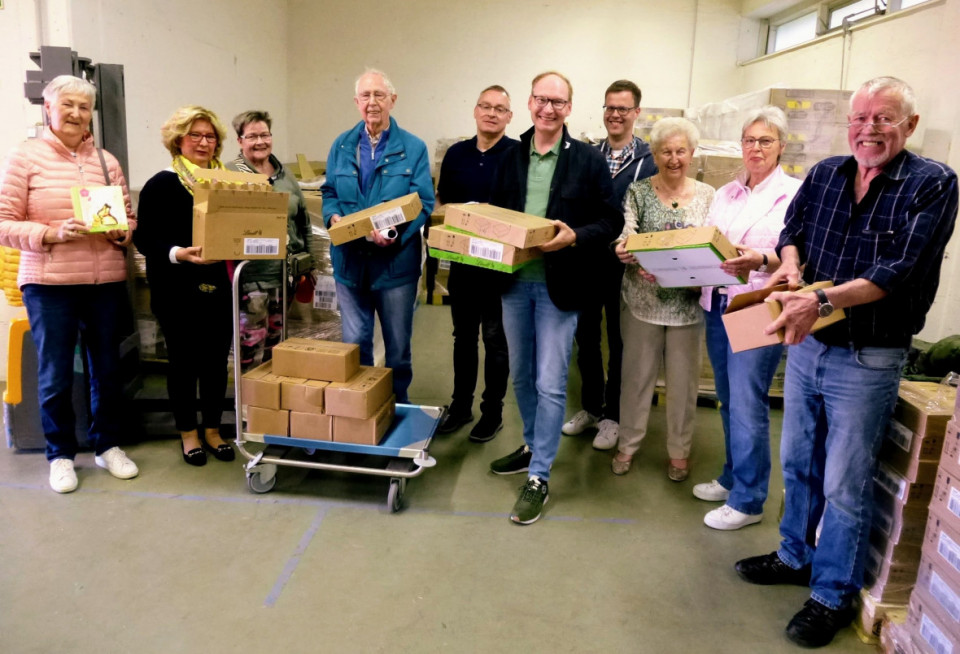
x=294 y=560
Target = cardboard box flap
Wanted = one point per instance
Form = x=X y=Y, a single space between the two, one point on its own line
x=231 y=176
x=241 y=201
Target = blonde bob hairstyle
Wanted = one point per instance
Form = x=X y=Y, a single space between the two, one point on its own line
x=182 y=120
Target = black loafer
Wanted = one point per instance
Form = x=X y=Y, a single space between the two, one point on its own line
x=195 y=457
x=815 y=625
x=222 y=452
x=453 y=420
x=486 y=429
x=768 y=570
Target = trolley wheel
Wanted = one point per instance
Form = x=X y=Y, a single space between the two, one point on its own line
x=395 y=494
x=259 y=483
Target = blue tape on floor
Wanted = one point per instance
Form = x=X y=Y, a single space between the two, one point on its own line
x=294 y=561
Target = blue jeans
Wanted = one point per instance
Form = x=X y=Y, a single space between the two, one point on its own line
x=742 y=380
x=539 y=341
x=395 y=307
x=56 y=314
x=837 y=403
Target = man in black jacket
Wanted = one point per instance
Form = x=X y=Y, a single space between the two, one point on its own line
x=551 y=175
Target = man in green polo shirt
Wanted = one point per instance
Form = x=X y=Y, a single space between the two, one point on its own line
x=553 y=176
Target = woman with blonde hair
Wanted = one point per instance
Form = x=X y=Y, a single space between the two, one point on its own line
x=189 y=295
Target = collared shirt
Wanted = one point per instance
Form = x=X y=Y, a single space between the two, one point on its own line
x=751 y=217
x=539 y=176
x=894 y=237
x=616 y=160
x=368 y=157
x=467 y=173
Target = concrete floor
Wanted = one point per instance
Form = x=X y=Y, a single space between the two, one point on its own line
x=186 y=559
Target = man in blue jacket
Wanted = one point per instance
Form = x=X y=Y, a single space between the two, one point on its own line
x=373 y=162
x=551 y=175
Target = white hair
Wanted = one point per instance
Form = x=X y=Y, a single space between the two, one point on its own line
x=667 y=127
x=69 y=84
x=771 y=117
x=374 y=71
x=908 y=100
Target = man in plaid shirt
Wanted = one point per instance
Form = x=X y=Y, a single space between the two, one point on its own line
x=875 y=224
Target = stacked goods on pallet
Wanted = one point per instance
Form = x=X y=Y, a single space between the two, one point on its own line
x=318 y=390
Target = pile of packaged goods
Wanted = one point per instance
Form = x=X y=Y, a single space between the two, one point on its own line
x=913 y=568
x=318 y=390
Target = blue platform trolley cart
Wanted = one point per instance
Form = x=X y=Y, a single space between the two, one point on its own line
x=401 y=455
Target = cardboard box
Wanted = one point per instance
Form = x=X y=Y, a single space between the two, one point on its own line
x=942 y=543
x=886 y=581
x=275 y=422
x=909 y=453
x=930 y=626
x=302 y=395
x=520 y=230
x=915 y=493
x=895 y=552
x=950 y=457
x=315 y=359
x=314 y=202
x=872 y=614
x=451 y=239
x=382 y=216
x=914 y=470
x=365 y=432
x=684 y=257
x=819 y=105
x=935 y=582
x=362 y=395
x=238 y=216
x=717 y=169
x=315 y=426
x=748 y=314
x=946 y=496
x=925 y=407
x=900 y=522
x=261 y=388
x=447 y=257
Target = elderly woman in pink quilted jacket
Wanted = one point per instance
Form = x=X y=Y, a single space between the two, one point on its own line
x=71 y=279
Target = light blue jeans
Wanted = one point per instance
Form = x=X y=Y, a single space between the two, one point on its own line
x=837 y=404
x=742 y=380
x=539 y=341
x=394 y=306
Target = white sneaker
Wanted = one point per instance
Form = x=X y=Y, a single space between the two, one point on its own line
x=711 y=492
x=63 y=478
x=608 y=433
x=580 y=421
x=726 y=518
x=115 y=460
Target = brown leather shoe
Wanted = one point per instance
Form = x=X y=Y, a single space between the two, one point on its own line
x=676 y=473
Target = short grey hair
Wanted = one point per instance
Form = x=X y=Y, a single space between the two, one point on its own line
x=908 y=100
x=668 y=127
x=69 y=84
x=771 y=117
x=374 y=71
x=241 y=120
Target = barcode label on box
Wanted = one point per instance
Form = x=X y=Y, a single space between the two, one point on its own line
x=325 y=293
x=934 y=637
x=954 y=502
x=891 y=482
x=900 y=435
x=388 y=218
x=261 y=246
x=942 y=592
x=884 y=521
x=484 y=249
x=949 y=550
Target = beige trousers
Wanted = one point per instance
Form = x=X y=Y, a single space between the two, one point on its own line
x=645 y=346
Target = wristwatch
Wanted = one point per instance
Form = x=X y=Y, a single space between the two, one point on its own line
x=763 y=266
x=825 y=308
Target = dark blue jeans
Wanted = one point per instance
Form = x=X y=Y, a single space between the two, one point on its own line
x=57 y=313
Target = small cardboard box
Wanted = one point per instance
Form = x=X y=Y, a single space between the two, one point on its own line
x=930 y=626
x=950 y=457
x=451 y=239
x=900 y=522
x=365 y=432
x=302 y=396
x=872 y=614
x=913 y=469
x=684 y=257
x=925 y=407
x=748 y=314
x=261 y=388
x=315 y=359
x=942 y=542
x=315 y=426
x=887 y=581
x=946 y=496
x=914 y=493
x=935 y=582
x=275 y=422
x=362 y=395
x=382 y=216
x=520 y=230
x=907 y=451
x=446 y=257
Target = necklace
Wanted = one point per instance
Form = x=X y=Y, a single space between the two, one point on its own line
x=674 y=200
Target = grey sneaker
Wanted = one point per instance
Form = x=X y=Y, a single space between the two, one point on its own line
x=513 y=463
x=580 y=421
x=533 y=495
x=608 y=432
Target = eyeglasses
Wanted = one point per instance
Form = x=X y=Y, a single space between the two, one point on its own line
x=196 y=137
x=253 y=138
x=764 y=143
x=378 y=96
x=542 y=101
x=620 y=111
x=499 y=109
x=880 y=123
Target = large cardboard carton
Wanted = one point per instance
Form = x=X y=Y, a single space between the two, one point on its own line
x=382 y=216
x=260 y=387
x=302 y=395
x=950 y=457
x=748 y=314
x=470 y=246
x=315 y=426
x=717 y=169
x=365 y=432
x=315 y=359
x=362 y=395
x=908 y=452
x=942 y=543
x=935 y=582
x=887 y=581
x=275 y=422
x=946 y=497
x=896 y=553
x=238 y=216
x=930 y=625
x=906 y=491
x=925 y=407
x=684 y=257
x=872 y=614
x=902 y=523
x=520 y=230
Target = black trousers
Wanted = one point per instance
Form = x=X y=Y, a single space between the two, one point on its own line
x=475 y=306
x=596 y=397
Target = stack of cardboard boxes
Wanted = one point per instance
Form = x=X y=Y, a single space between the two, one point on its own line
x=905 y=479
x=816 y=126
x=318 y=390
